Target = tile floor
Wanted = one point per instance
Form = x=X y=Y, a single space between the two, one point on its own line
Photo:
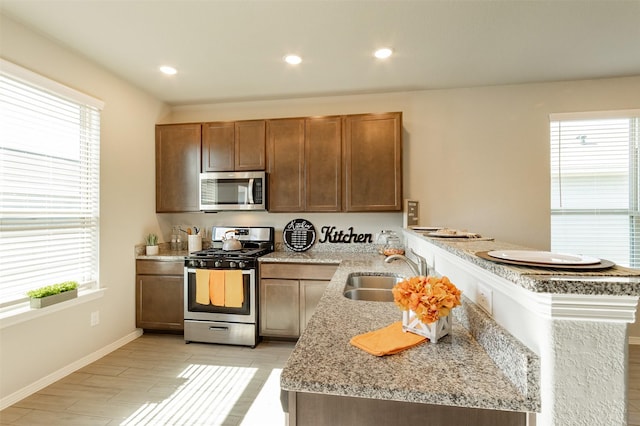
x=159 y=380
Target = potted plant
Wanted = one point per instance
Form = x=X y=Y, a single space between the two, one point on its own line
x=152 y=244
x=52 y=294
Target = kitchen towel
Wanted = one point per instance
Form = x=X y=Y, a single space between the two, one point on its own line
x=202 y=286
x=233 y=289
x=386 y=341
x=216 y=287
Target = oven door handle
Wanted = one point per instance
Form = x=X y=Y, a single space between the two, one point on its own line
x=218 y=328
x=244 y=271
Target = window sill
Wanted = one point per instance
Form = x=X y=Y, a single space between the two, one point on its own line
x=22 y=313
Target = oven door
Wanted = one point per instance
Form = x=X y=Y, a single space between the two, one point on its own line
x=198 y=311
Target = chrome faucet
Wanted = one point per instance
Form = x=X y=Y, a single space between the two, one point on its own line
x=419 y=268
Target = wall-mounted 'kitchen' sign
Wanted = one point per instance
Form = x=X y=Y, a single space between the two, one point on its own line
x=299 y=235
x=331 y=235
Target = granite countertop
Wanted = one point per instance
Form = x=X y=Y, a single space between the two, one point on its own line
x=456 y=371
x=164 y=253
x=619 y=281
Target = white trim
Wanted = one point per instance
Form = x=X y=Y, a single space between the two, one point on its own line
x=23 y=312
x=65 y=371
x=586 y=115
x=49 y=85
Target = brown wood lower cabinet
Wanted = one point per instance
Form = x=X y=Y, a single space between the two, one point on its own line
x=159 y=295
x=319 y=410
x=289 y=294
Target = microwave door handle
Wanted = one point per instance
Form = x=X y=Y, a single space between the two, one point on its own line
x=250 y=191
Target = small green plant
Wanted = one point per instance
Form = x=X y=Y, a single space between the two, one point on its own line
x=50 y=290
x=152 y=240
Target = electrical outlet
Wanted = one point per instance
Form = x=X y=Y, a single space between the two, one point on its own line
x=484 y=298
x=95 y=318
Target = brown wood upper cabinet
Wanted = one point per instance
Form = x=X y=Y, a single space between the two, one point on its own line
x=338 y=163
x=323 y=164
x=285 y=164
x=233 y=146
x=304 y=164
x=177 y=167
x=372 y=158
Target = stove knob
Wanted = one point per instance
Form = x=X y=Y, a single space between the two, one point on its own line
x=203 y=263
x=217 y=264
x=241 y=264
x=232 y=264
x=193 y=263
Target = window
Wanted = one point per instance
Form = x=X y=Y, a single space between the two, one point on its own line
x=49 y=184
x=595 y=185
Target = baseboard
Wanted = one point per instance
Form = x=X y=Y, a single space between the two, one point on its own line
x=634 y=340
x=65 y=371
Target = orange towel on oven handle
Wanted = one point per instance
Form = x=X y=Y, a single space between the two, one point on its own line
x=216 y=287
x=233 y=289
x=202 y=286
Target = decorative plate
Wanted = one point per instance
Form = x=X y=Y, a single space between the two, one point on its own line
x=299 y=235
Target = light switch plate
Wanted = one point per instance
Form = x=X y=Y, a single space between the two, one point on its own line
x=95 y=318
x=484 y=298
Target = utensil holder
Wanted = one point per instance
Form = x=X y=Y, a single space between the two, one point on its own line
x=194 y=243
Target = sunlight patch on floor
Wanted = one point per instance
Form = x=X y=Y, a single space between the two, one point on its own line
x=206 y=397
x=266 y=409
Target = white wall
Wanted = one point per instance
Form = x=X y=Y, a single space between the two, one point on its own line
x=40 y=347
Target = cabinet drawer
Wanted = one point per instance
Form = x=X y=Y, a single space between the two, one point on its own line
x=298 y=271
x=158 y=267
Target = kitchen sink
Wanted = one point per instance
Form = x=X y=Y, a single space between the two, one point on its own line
x=371 y=287
x=369 y=294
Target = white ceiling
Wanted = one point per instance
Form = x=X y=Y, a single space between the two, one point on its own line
x=232 y=50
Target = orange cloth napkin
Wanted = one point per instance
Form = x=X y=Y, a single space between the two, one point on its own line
x=202 y=286
x=233 y=289
x=216 y=287
x=386 y=341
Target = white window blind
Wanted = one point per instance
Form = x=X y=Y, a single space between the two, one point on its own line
x=49 y=184
x=595 y=184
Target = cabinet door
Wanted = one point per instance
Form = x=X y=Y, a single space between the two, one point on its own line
x=159 y=302
x=373 y=162
x=177 y=167
x=285 y=164
x=218 y=147
x=310 y=293
x=250 y=145
x=279 y=312
x=323 y=164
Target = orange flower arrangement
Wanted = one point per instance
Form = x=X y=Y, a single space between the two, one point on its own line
x=429 y=297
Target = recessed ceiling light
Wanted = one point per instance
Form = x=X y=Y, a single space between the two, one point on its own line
x=383 y=53
x=293 y=59
x=168 y=70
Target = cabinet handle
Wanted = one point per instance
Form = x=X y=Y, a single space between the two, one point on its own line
x=214 y=328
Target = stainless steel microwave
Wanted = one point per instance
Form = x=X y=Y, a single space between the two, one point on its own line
x=219 y=191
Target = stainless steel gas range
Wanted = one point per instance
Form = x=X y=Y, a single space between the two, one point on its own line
x=221 y=287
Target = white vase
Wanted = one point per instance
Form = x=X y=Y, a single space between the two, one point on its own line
x=152 y=250
x=432 y=331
